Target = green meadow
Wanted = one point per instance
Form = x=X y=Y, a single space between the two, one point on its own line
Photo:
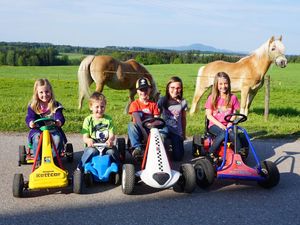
x=16 y=86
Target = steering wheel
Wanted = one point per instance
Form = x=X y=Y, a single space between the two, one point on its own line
x=45 y=120
x=240 y=118
x=154 y=122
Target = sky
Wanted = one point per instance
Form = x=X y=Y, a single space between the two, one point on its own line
x=235 y=25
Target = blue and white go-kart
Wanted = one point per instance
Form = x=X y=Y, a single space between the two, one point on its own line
x=100 y=168
x=155 y=170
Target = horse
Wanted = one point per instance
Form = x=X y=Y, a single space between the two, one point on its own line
x=105 y=70
x=246 y=75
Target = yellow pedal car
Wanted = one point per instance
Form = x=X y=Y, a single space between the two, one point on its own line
x=47 y=174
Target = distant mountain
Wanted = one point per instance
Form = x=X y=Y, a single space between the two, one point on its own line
x=198 y=47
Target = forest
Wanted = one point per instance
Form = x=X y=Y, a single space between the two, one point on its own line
x=46 y=54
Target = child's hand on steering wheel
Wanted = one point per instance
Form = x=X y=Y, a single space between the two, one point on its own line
x=109 y=143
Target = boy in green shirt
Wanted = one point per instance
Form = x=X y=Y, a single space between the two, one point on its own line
x=97 y=128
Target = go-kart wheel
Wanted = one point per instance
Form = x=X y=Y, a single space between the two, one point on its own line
x=88 y=179
x=128 y=178
x=121 y=146
x=18 y=185
x=77 y=181
x=197 y=145
x=271 y=174
x=69 y=152
x=205 y=173
x=187 y=180
x=22 y=154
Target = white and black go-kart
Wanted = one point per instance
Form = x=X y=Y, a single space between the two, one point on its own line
x=155 y=168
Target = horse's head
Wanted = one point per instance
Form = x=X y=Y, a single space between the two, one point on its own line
x=276 y=52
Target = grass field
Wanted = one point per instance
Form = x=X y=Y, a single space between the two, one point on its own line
x=16 y=84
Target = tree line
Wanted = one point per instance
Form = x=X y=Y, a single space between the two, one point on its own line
x=46 y=54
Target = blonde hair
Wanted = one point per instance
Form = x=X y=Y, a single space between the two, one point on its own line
x=215 y=92
x=96 y=96
x=35 y=103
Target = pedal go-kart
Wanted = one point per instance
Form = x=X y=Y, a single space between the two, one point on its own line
x=155 y=170
x=47 y=174
x=202 y=143
x=101 y=168
x=265 y=173
x=26 y=155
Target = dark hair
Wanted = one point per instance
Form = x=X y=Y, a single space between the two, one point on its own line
x=172 y=80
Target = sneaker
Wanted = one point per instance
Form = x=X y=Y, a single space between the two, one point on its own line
x=215 y=159
x=137 y=152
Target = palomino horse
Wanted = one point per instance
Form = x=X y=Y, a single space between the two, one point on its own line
x=105 y=70
x=246 y=75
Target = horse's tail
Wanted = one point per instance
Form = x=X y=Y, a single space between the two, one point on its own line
x=84 y=78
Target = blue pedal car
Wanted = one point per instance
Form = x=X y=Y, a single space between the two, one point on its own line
x=100 y=168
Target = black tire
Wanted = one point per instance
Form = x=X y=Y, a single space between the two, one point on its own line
x=121 y=146
x=22 y=154
x=205 y=173
x=197 y=145
x=88 y=179
x=128 y=179
x=77 y=181
x=187 y=180
x=18 y=185
x=69 y=152
x=271 y=173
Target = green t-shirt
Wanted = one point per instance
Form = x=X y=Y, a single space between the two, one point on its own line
x=98 y=129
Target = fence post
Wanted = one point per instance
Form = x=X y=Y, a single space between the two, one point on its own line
x=267 y=97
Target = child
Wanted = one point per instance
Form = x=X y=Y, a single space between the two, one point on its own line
x=173 y=108
x=43 y=104
x=141 y=109
x=97 y=128
x=219 y=104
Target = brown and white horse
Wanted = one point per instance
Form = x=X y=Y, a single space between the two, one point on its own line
x=105 y=70
x=246 y=75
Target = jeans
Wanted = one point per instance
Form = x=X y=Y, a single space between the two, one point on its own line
x=176 y=141
x=56 y=139
x=177 y=146
x=90 y=152
x=220 y=136
x=135 y=135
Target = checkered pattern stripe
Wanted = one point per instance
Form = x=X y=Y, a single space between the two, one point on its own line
x=158 y=152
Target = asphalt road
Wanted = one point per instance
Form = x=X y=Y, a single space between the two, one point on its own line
x=223 y=203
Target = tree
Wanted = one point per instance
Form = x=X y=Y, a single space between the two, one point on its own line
x=33 y=61
x=10 y=58
x=177 y=61
x=21 y=61
x=2 y=58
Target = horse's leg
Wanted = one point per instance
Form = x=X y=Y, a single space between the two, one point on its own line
x=132 y=93
x=202 y=84
x=199 y=91
x=244 y=100
x=251 y=96
x=99 y=86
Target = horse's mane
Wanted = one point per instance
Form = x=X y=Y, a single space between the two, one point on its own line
x=260 y=51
